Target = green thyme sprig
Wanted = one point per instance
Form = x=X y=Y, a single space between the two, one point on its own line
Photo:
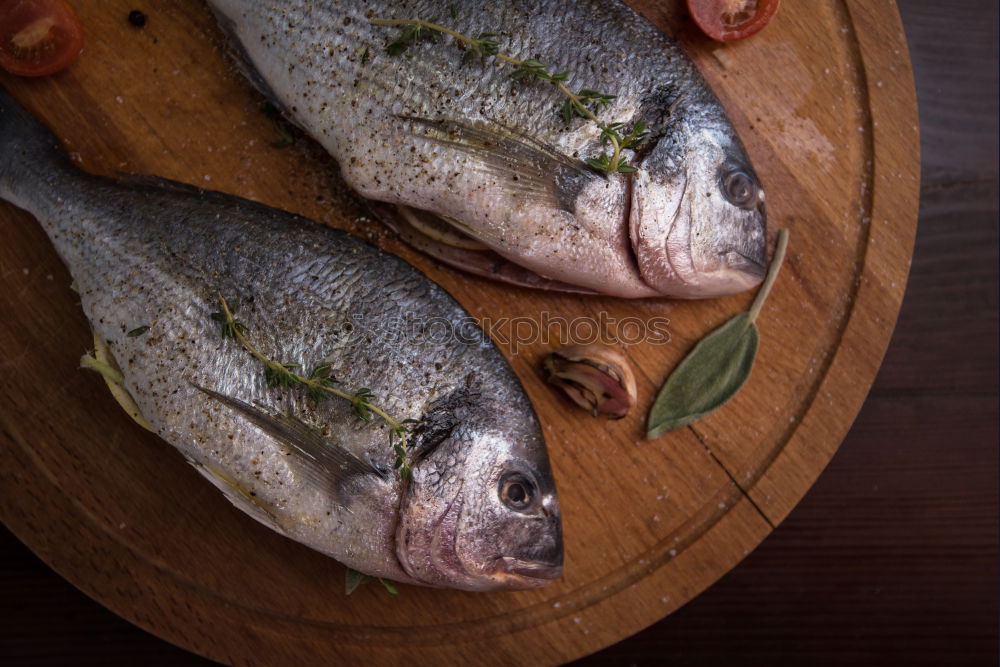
x=585 y=103
x=611 y=134
x=230 y=327
x=281 y=128
x=353 y=579
x=413 y=33
x=319 y=385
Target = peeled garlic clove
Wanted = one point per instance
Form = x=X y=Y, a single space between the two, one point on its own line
x=596 y=377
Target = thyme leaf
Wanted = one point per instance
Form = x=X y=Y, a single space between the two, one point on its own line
x=353 y=579
x=585 y=104
x=285 y=136
x=319 y=385
x=230 y=325
x=481 y=48
x=281 y=375
x=361 y=402
x=411 y=34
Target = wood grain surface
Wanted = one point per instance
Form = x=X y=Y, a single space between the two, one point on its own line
x=779 y=514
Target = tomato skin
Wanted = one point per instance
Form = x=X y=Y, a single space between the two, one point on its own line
x=38 y=37
x=730 y=20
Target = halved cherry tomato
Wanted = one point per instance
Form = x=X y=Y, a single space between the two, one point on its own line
x=38 y=37
x=729 y=20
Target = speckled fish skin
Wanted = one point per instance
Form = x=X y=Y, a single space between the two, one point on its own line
x=468 y=143
x=159 y=255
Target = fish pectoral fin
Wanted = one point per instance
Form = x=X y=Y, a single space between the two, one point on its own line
x=525 y=165
x=328 y=458
x=320 y=461
x=236 y=494
x=486 y=263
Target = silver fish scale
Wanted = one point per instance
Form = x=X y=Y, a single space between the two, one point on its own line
x=324 y=43
x=493 y=154
x=159 y=257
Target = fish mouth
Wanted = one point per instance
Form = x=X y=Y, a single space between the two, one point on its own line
x=664 y=225
x=737 y=261
x=530 y=572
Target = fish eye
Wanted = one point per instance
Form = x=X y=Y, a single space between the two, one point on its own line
x=739 y=188
x=517 y=491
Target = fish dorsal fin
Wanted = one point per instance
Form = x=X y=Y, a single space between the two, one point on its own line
x=322 y=462
x=526 y=165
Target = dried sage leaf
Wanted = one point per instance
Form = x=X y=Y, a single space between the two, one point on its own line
x=717 y=367
x=707 y=377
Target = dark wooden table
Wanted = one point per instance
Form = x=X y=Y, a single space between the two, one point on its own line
x=892 y=556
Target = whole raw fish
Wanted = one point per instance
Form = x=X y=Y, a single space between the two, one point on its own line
x=484 y=171
x=151 y=260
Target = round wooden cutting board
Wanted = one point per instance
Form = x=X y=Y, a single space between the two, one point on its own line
x=823 y=99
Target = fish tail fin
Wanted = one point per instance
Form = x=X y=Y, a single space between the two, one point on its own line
x=27 y=150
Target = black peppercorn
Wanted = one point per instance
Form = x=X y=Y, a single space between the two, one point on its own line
x=137 y=18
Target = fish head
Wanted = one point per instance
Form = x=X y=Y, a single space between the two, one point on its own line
x=480 y=511
x=697 y=220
